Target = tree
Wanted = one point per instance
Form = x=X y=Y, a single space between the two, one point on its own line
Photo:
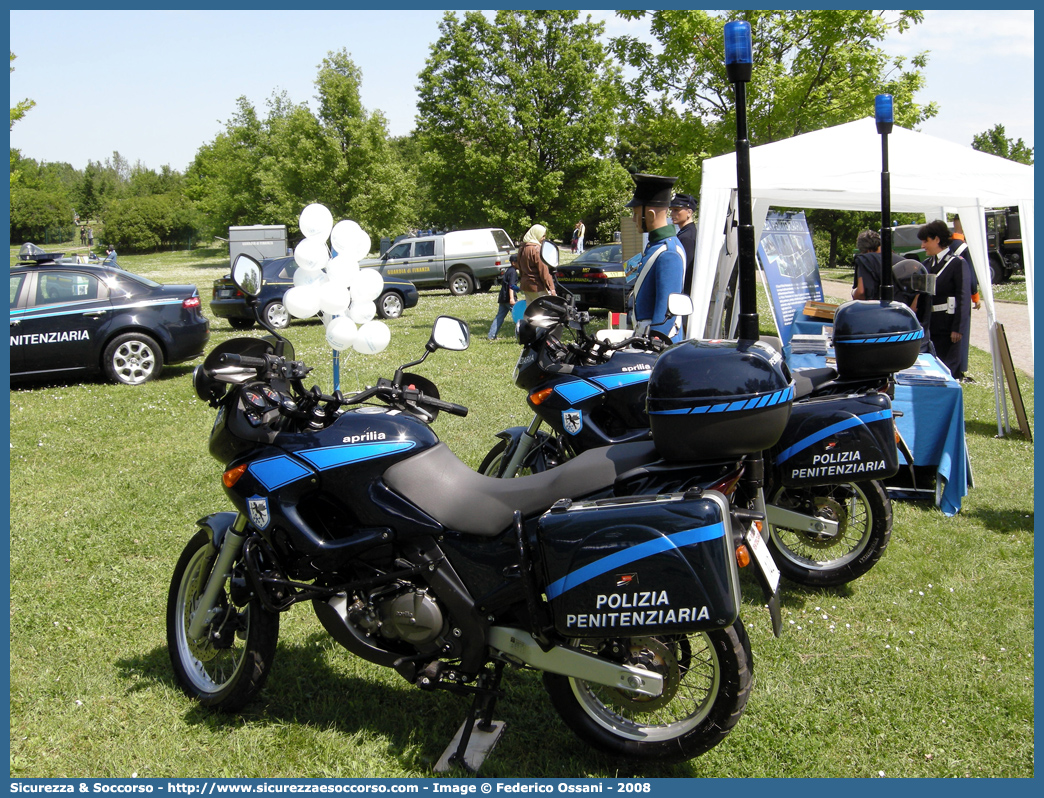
x=23 y=107
x=995 y=142
x=518 y=117
x=812 y=69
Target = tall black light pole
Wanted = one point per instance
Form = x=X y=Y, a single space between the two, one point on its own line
x=739 y=60
x=885 y=118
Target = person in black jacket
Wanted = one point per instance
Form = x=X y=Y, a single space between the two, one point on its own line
x=507 y=298
x=683 y=209
x=951 y=303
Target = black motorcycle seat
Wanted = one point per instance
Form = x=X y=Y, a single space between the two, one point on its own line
x=807 y=381
x=448 y=490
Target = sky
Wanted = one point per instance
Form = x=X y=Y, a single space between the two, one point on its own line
x=157 y=85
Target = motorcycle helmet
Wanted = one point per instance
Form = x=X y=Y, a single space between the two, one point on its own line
x=910 y=275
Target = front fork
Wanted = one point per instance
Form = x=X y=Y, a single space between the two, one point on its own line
x=523 y=446
x=231 y=546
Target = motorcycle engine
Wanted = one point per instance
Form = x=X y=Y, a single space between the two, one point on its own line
x=411 y=615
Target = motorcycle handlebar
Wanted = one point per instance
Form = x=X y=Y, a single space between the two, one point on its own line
x=230 y=359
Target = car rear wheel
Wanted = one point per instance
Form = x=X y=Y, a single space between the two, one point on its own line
x=277 y=315
x=390 y=305
x=241 y=324
x=132 y=358
x=461 y=284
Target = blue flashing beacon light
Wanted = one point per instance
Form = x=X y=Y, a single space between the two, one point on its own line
x=883 y=113
x=739 y=52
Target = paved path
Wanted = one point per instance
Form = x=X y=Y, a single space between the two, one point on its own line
x=1013 y=315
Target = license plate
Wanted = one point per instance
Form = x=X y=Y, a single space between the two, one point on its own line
x=763 y=556
x=223 y=293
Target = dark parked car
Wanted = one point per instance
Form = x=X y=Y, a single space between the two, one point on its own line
x=72 y=318
x=596 y=278
x=229 y=303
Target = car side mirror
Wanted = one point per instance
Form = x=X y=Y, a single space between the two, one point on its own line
x=246 y=274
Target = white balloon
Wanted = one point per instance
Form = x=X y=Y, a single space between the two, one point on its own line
x=316 y=221
x=308 y=276
x=302 y=301
x=342 y=270
x=342 y=234
x=311 y=254
x=362 y=310
x=340 y=333
x=372 y=337
x=334 y=299
x=359 y=246
x=367 y=284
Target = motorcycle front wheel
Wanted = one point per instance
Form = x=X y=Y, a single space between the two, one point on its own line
x=229 y=665
x=707 y=679
x=863 y=513
x=535 y=462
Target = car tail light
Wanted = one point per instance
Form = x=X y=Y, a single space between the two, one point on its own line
x=191 y=302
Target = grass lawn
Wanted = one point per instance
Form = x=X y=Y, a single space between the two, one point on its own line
x=922 y=668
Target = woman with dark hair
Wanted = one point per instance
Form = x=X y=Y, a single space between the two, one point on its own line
x=951 y=303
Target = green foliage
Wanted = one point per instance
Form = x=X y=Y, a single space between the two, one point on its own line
x=39 y=215
x=264 y=171
x=144 y=224
x=516 y=116
x=815 y=69
x=995 y=142
x=20 y=109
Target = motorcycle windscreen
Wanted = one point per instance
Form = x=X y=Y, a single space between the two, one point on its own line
x=838 y=439
x=639 y=566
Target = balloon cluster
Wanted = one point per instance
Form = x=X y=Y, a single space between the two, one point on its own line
x=336 y=286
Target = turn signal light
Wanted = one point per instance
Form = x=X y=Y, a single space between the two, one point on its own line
x=191 y=302
x=742 y=556
x=538 y=397
x=231 y=477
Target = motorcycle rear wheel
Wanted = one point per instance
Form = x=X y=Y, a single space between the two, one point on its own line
x=864 y=515
x=707 y=678
x=229 y=667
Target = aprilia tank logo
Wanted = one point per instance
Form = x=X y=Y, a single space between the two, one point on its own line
x=364 y=438
x=639 y=367
x=49 y=338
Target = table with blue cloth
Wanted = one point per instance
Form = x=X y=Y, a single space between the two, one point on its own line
x=932 y=423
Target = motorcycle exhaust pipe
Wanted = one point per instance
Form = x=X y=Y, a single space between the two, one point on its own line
x=520 y=646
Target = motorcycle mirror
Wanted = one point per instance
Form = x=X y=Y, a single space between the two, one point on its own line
x=449 y=333
x=246 y=274
x=549 y=254
x=679 y=305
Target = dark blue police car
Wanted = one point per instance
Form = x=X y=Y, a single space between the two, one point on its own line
x=278 y=275
x=72 y=319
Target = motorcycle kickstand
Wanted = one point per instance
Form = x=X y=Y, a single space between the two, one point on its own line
x=479 y=733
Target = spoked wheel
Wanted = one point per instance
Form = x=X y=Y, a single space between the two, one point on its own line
x=229 y=664
x=707 y=678
x=863 y=513
x=132 y=358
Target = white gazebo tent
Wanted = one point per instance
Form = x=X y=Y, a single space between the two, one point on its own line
x=840 y=167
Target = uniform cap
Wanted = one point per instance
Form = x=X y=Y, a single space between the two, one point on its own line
x=653 y=191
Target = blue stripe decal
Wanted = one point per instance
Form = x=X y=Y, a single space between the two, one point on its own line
x=621 y=380
x=848 y=423
x=885 y=339
x=275 y=472
x=336 y=456
x=633 y=554
x=577 y=391
x=779 y=397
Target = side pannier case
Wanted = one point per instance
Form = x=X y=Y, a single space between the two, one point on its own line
x=640 y=565
x=716 y=400
x=874 y=339
x=838 y=439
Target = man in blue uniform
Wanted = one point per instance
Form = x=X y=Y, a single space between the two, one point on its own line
x=662 y=269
